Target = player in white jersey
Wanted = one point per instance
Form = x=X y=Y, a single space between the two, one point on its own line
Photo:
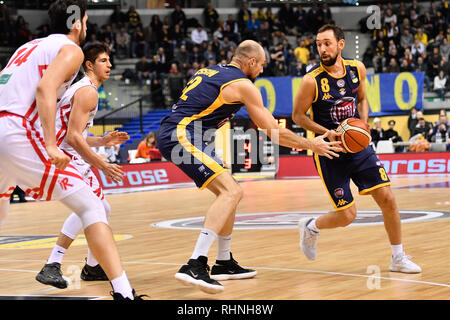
x=36 y=76
x=75 y=115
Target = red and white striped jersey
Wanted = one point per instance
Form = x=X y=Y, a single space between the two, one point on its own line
x=64 y=107
x=21 y=76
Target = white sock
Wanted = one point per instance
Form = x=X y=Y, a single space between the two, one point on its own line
x=91 y=261
x=223 y=245
x=312 y=225
x=204 y=242
x=396 y=249
x=122 y=285
x=57 y=254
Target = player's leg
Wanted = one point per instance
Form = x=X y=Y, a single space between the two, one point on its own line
x=385 y=199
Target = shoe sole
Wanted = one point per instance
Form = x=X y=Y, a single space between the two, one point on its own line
x=56 y=285
x=391 y=269
x=301 y=228
x=239 y=276
x=200 y=284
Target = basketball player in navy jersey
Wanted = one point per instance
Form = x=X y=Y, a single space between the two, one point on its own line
x=335 y=89
x=211 y=97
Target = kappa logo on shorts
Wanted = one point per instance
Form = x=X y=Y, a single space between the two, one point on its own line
x=289 y=220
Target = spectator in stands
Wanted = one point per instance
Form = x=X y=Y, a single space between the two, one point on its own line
x=218 y=33
x=112 y=153
x=156 y=24
x=406 y=39
x=139 y=47
x=260 y=14
x=444 y=49
x=427 y=23
x=300 y=19
x=405 y=66
x=234 y=26
x=441 y=132
x=377 y=131
x=286 y=16
x=417 y=48
x=421 y=36
x=278 y=29
x=193 y=69
x=157 y=68
x=92 y=39
x=379 y=59
x=420 y=66
x=103 y=102
x=391 y=134
x=199 y=35
x=424 y=128
x=209 y=54
x=299 y=69
x=389 y=17
x=182 y=57
x=440 y=82
x=211 y=17
x=156 y=91
x=143 y=71
x=264 y=35
x=196 y=55
x=227 y=45
x=252 y=28
x=175 y=81
x=133 y=18
x=123 y=42
x=176 y=36
x=244 y=15
x=326 y=13
x=118 y=18
x=44 y=31
x=147 y=148
x=393 y=66
x=230 y=34
x=412 y=121
x=301 y=52
x=178 y=17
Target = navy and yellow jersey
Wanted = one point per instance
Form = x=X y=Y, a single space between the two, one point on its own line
x=181 y=136
x=202 y=100
x=336 y=98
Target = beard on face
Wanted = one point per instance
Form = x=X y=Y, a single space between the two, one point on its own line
x=330 y=62
x=82 y=36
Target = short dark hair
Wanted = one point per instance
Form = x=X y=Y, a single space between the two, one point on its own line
x=338 y=31
x=92 y=51
x=59 y=15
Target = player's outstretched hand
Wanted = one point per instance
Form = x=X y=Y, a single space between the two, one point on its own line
x=113 y=171
x=58 y=158
x=115 y=137
x=325 y=148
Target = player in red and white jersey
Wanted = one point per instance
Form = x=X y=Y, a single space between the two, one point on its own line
x=75 y=115
x=34 y=79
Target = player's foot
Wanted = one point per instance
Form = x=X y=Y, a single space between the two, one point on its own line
x=230 y=270
x=118 y=296
x=196 y=273
x=401 y=263
x=51 y=275
x=308 y=238
x=95 y=273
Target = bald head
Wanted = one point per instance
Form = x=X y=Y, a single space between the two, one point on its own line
x=249 y=49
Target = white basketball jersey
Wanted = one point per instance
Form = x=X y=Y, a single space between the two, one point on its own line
x=64 y=107
x=21 y=76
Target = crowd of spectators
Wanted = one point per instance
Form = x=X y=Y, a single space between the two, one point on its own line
x=413 y=37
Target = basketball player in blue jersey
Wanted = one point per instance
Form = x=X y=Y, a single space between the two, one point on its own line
x=211 y=97
x=335 y=89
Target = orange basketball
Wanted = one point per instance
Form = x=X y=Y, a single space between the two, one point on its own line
x=355 y=134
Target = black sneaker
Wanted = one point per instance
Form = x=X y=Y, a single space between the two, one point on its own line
x=196 y=273
x=93 y=273
x=230 y=270
x=51 y=274
x=118 y=296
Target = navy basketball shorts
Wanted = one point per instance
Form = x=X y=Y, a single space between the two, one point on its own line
x=189 y=152
x=363 y=168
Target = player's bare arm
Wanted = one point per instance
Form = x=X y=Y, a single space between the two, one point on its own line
x=363 y=103
x=84 y=101
x=66 y=63
x=249 y=95
x=302 y=103
x=110 y=139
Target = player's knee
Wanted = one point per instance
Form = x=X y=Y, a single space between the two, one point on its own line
x=234 y=193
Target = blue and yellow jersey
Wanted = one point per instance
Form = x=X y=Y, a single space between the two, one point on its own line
x=336 y=98
x=201 y=99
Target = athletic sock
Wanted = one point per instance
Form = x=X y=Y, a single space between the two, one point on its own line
x=122 y=285
x=91 y=261
x=57 y=254
x=312 y=226
x=204 y=242
x=223 y=244
x=396 y=249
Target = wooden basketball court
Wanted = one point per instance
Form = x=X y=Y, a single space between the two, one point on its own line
x=352 y=262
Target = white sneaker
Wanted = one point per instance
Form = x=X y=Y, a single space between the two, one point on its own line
x=401 y=263
x=308 y=239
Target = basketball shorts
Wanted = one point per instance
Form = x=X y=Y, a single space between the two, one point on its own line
x=24 y=162
x=363 y=168
x=189 y=152
x=88 y=175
